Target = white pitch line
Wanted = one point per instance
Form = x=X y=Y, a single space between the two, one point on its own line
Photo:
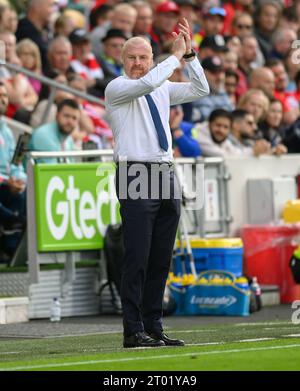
x=191 y=331
x=281 y=328
x=187 y=344
x=255 y=339
x=262 y=324
x=118 y=360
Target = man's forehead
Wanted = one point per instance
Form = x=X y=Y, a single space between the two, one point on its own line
x=139 y=47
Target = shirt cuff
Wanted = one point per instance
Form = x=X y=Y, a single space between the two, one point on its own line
x=174 y=61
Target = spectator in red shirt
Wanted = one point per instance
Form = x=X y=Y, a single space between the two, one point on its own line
x=247 y=57
x=165 y=21
x=288 y=99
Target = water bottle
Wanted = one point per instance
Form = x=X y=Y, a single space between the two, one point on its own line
x=255 y=288
x=55 y=311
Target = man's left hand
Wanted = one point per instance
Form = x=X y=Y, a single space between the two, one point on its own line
x=184 y=28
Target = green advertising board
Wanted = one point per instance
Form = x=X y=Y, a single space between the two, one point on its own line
x=74 y=205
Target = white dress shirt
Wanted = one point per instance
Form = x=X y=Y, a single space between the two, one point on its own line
x=129 y=114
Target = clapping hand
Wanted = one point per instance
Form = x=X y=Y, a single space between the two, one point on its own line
x=184 y=28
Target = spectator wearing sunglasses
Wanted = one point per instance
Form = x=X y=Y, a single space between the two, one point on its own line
x=242 y=24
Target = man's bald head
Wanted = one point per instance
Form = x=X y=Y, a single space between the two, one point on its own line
x=136 y=41
x=137 y=57
x=263 y=78
x=124 y=17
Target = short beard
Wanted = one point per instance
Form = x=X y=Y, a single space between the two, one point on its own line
x=216 y=140
x=64 y=132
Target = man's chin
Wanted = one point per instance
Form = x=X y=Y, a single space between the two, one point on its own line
x=66 y=132
x=137 y=75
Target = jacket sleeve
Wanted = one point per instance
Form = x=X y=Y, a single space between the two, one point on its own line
x=190 y=91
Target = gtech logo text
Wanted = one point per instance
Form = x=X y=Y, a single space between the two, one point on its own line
x=79 y=211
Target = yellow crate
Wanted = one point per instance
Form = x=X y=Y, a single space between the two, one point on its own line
x=213 y=243
x=291 y=212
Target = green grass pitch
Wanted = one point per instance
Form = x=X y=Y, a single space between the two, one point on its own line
x=252 y=346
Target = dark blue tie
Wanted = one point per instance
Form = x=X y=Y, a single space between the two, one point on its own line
x=162 y=138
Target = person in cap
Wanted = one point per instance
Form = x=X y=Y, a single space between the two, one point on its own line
x=215 y=74
x=138 y=107
x=212 y=45
x=84 y=62
x=212 y=23
x=111 y=58
x=166 y=18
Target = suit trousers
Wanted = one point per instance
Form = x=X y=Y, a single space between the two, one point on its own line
x=149 y=226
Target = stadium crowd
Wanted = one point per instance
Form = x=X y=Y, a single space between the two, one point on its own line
x=248 y=49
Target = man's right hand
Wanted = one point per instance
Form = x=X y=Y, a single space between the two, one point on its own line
x=179 y=45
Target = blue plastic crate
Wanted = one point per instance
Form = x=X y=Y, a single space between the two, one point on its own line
x=206 y=258
x=209 y=299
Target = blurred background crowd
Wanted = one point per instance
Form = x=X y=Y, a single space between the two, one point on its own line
x=248 y=49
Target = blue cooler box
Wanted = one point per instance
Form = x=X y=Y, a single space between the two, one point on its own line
x=217 y=254
x=212 y=299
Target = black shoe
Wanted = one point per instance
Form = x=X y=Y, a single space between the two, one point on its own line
x=141 y=340
x=168 y=341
